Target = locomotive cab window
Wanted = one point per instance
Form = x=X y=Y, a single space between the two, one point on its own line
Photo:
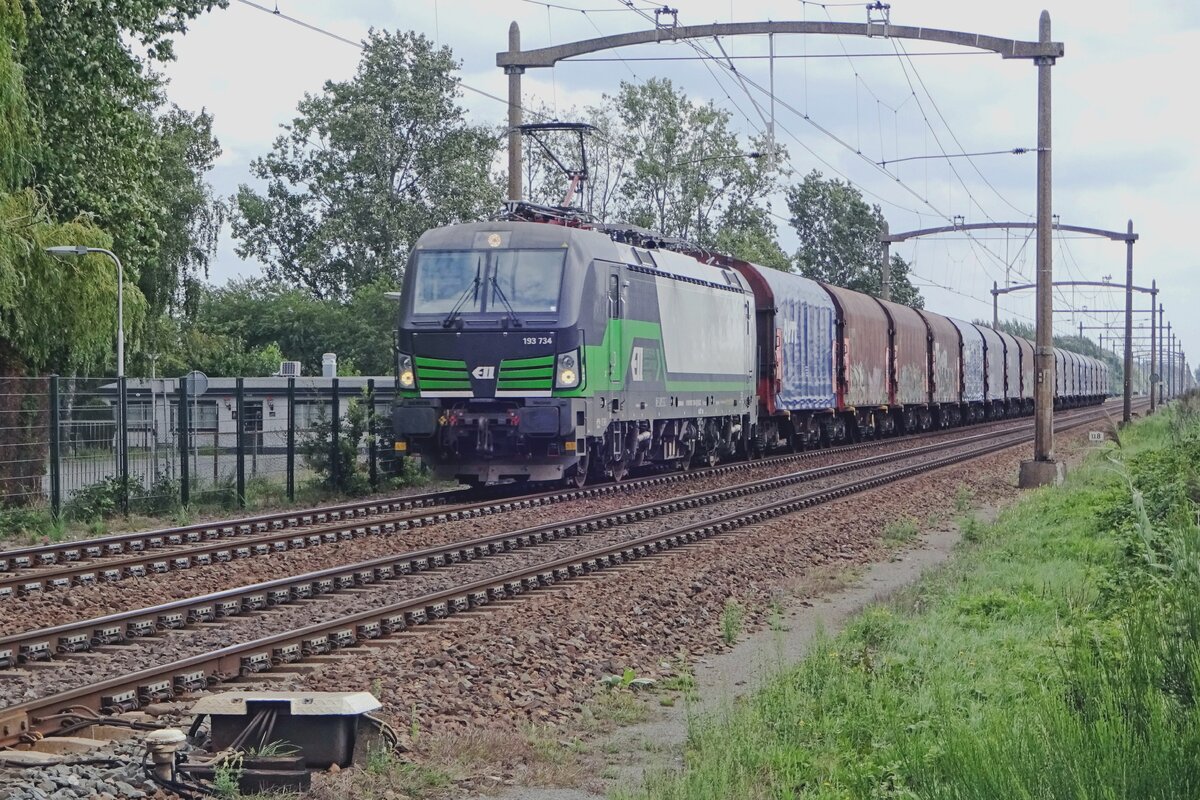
x=529 y=279
x=472 y=282
x=443 y=277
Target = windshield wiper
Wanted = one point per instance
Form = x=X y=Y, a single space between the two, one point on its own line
x=512 y=315
x=473 y=289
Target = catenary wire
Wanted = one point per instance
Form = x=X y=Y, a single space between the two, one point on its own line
x=706 y=57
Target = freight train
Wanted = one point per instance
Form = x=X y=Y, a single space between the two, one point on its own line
x=528 y=351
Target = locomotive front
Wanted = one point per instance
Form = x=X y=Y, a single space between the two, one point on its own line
x=489 y=352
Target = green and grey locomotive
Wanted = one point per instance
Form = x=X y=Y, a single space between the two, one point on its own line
x=541 y=352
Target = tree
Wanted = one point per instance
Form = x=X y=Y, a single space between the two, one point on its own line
x=661 y=161
x=366 y=167
x=691 y=174
x=1013 y=327
x=248 y=326
x=99 y=150
x=839 y=239
x=54 y=313
x=175 y=346
x=190 y=214
x=755 y=243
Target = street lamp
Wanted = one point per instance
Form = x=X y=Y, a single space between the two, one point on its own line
x=83 y=250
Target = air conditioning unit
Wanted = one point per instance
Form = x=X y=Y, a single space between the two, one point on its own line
x=289 y=369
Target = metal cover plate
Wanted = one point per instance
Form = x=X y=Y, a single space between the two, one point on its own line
x=315 y=704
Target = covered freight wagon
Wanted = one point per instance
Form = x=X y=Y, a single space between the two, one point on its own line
x=862 y=350
x=1028 y=376
x=1072 y=383
x=972 y=370
x=993 y=372
x=1060 y=377
x=1012 y=373
x=910 y=358
x=945 y=360
x=795 y=319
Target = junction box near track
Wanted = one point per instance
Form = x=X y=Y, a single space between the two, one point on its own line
x=323 y=726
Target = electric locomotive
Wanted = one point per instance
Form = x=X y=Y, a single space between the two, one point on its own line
x=547 y=352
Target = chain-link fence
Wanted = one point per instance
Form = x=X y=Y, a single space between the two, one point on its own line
x=96 y=445
x=24 y=440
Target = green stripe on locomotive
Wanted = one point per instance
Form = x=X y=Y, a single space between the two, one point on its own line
x=535 y=374
x=630 y=333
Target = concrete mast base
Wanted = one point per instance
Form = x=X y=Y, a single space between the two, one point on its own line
x=1041 y=473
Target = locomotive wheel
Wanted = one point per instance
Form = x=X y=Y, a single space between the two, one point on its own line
x=618 y=469
x=578 y=476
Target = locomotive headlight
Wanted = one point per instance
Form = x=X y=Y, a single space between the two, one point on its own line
x=566 y=374
x=407 y=379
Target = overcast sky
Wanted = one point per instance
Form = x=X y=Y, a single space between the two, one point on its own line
x=1124 y=128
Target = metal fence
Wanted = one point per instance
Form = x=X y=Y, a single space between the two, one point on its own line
x=146 y=445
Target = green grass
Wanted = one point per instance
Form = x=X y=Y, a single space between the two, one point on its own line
x=901 y=531
x=1057 y=656
x=612 y=708
x=731 y=621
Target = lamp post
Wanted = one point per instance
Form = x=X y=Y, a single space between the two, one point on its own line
x=122 y=401
x=83 y=250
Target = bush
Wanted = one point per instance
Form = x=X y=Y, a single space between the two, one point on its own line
x=162 y=496
x=25 y=522
x=100 y=500
x=344 y=472
x=105 y=498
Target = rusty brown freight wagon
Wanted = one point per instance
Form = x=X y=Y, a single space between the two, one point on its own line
x=945 y=359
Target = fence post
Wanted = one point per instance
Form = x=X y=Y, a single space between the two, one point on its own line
x=181 y=422
x=335 y=424
x=291 y=440
x=372 y=448
x=55 y=451
x=239 y=432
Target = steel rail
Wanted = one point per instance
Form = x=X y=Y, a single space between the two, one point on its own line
x=119 y=628
x=43 y=555
x=90 y=562
x=135 y=541
x=34 y=556
x=38 y=717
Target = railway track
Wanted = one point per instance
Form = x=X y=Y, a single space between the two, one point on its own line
x=197 y=672
x=109 y=559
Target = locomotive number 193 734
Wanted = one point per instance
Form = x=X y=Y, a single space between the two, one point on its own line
x=538 y=340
